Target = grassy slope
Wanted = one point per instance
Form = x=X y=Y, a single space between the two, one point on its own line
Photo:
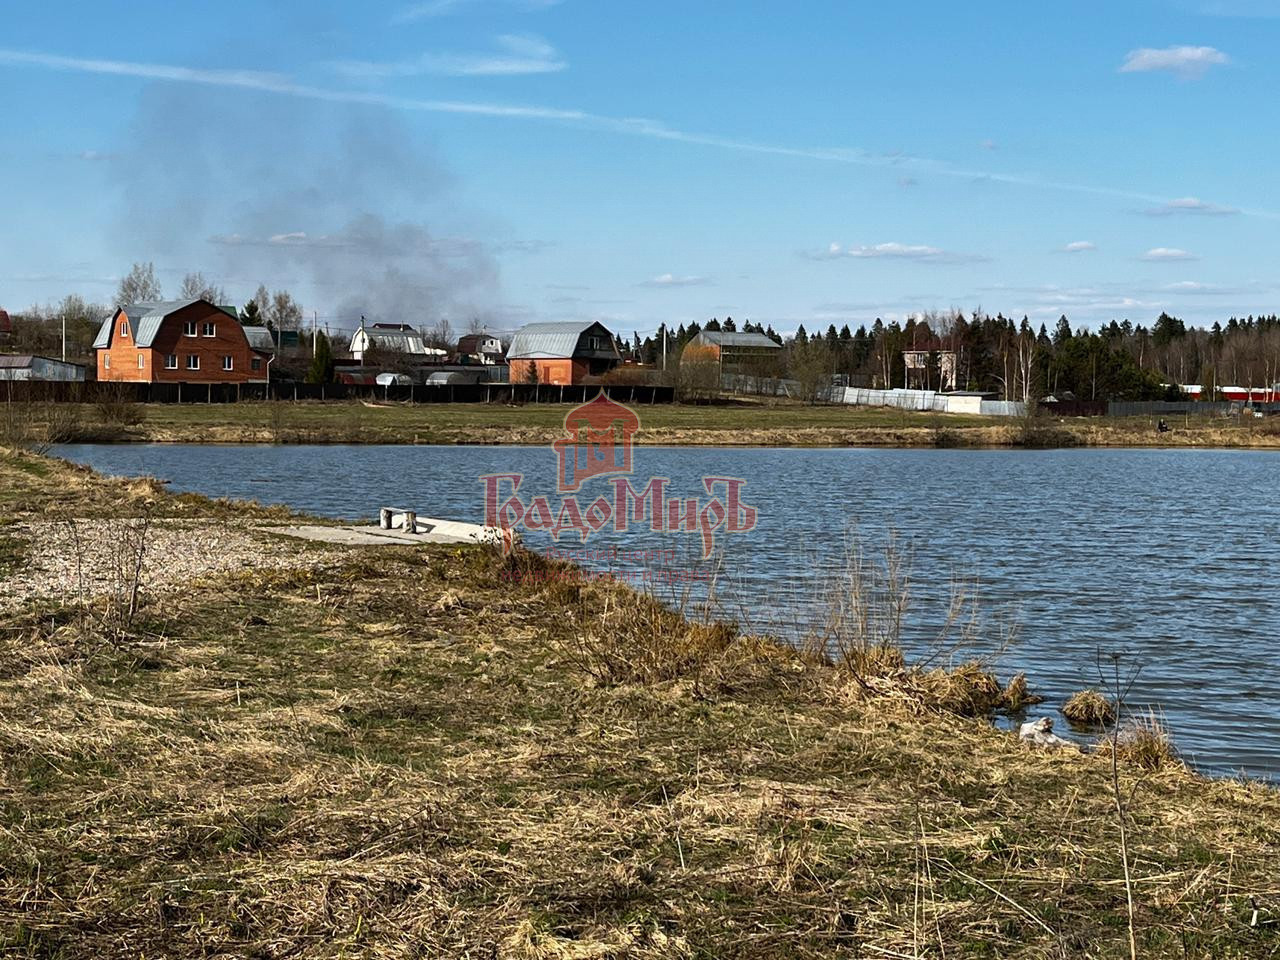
x=746 y=423
x=400 y=754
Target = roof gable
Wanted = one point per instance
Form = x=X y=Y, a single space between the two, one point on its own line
x=146 y=318
x=555 y=341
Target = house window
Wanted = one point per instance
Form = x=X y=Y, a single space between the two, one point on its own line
x=124 y=329
x=257 y=363
x=193 y=362
x=142 y=362
x=106 y=361
x=171 y=362
x=189 y=328
x=228 y=363
x=210 y=330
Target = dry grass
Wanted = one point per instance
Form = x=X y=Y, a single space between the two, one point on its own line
x=734 y=423
x=1089 y=709
x=1143 y=742
x=869 y=618
x=402 y=754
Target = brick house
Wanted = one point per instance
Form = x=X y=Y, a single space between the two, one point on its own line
x=561 y=353
x=178 y=341
x=479 y=348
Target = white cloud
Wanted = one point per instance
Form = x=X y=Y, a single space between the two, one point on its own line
x=517 y=55
x=671 y=280
x=1196 y=288
x=1192 y=205
x=1080 y=246
x=1184 y=61
x=987 y=144
x=1166 y=254
x=893 y=251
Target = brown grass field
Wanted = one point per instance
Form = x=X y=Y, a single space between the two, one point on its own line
x=733 y=423
x=407 y=753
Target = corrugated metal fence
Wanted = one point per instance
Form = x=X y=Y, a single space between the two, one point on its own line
x=1195 y=408
x=235 y=392
x=932 y=402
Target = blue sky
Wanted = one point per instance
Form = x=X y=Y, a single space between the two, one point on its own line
x=514 y=160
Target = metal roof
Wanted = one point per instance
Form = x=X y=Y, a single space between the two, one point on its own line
x=552 y=341
x=20 y=361
x=260 y=339
x=471 y=342
x=723 y=338
x=145 y=319
x=397 y=342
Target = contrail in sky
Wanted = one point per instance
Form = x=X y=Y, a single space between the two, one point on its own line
x=633 y=126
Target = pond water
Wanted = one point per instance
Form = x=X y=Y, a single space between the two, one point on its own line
x=1165 y=557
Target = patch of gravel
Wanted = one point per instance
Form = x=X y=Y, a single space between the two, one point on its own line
x=70 y=560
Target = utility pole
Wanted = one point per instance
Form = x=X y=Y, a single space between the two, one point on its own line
x=64 y=336
x=664 y=348
x=315 y=323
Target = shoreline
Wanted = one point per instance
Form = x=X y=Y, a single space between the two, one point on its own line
x=668 y=444
x=736 y=425
x=408 y=743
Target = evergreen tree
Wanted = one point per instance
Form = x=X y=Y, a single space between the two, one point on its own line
x=251 y=314
x=321 y=370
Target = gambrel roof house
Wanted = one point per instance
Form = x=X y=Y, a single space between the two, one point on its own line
x=562 y=353
x=179 y=341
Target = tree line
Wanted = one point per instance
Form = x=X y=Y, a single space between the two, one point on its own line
x=993 y=353
x=1013 y=359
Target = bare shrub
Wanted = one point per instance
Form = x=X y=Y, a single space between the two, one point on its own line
x=697 y=380
x=118 y=406
x=37 y=425
x=62 y=422
x=114 y=615
x=17 y=430
x=279 y=422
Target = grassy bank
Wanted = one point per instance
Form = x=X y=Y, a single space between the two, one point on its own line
x=744 y=423
x=439 y=752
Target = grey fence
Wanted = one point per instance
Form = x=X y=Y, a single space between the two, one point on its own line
x=1194 y=408
x=35 y=391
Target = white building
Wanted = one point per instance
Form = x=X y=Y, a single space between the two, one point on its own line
x=392 y=338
